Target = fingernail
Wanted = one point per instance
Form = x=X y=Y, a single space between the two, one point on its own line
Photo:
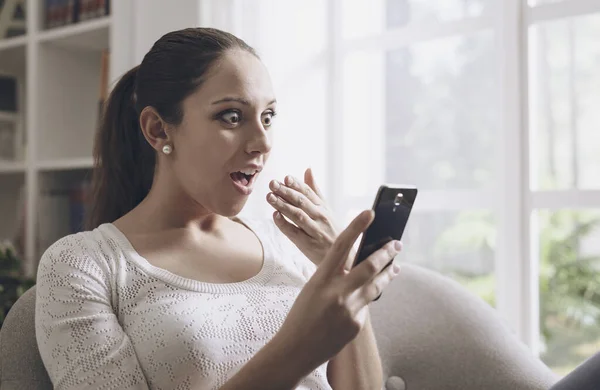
x=278 y=215
x=395 y=267
x=289 y=180
x=398 y=246
x=271 y=198
x=275 y=184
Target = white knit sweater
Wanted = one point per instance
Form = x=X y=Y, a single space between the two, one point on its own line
x=107 y=319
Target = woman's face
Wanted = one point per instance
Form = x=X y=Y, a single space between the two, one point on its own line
x=226 y=129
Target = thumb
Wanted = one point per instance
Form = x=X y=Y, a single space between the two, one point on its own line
x=309 y=179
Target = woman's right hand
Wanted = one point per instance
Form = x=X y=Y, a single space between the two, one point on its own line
x=332 y=307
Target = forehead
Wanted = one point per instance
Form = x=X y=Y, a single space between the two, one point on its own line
x=238 y=74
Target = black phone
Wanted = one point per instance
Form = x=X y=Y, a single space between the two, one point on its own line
x=392 y=206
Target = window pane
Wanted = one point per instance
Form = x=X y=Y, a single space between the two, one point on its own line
x=564 y=98
x=363 y=122
x=367 y=17
x=460 y=245
x=423 y=115
x=442 y=113
x=569 y=289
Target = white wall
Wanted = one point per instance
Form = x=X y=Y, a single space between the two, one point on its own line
x=139 y=23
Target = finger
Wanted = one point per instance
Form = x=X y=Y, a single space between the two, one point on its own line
x=367 y=251
x=295 y=214
x=296 y=185
x=309 y=179
x=295 y=194
x=369 y=292
x=290 y=230
x=372 y=265
x=338 y=253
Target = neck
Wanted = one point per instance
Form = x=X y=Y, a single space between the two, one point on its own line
x=167 y=206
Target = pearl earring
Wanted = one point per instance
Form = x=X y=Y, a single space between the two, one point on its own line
x=167 y=149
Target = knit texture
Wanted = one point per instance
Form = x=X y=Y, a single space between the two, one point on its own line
x=107 y=319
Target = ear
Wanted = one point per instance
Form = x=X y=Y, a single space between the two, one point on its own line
x=154 y=128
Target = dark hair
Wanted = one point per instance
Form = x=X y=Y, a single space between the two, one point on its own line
x=124 y=161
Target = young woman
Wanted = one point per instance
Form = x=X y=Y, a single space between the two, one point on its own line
x=168 y=289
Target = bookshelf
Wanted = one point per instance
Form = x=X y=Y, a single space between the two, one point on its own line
x=58 y=72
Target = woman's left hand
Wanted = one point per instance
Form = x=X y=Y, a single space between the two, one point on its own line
x=303 y=204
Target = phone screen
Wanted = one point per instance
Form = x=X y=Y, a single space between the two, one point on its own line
x=392 y=208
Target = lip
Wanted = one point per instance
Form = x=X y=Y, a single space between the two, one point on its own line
x=249 y=167
x=245 y=190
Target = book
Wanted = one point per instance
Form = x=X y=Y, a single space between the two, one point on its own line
x=70 y=11
x=63 y=12
x=50 y=13
x=84 y=10
x=103 y=7
x=8 y=94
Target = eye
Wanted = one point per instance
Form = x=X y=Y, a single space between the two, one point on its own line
x=231 y=117
x=267 y=118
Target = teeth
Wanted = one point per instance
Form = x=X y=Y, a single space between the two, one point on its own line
x=249 y=172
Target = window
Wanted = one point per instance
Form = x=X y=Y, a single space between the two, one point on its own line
x=488 y=106
x=420 y=106
x=564 y=93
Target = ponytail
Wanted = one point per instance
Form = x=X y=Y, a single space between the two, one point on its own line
x=123 y=159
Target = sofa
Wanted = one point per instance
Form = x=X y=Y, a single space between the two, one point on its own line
x=431 y=332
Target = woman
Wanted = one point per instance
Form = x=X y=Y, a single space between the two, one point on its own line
x=168 y=289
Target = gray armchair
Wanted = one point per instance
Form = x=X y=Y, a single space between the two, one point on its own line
x=432 y=334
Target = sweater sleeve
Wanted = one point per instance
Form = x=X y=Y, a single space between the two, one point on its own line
x=81 y=342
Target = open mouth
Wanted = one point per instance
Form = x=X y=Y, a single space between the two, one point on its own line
x=242 y=178
x=243 y=181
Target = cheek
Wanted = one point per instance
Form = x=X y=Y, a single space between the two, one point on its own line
x=205 y=150
x=218 y=147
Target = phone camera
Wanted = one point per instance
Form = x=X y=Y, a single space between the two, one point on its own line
x=398 y=199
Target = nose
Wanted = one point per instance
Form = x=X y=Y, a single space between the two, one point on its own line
x=260 y=139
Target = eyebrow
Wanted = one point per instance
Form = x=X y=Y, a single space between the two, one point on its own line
x=239 y=100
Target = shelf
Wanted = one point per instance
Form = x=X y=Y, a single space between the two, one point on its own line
x=91 y=35
x=14 y=42
x=12 y=167
x=66 y=164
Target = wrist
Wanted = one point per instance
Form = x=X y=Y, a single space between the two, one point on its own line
x=294 y=362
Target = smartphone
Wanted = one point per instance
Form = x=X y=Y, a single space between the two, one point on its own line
x=392 y=206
